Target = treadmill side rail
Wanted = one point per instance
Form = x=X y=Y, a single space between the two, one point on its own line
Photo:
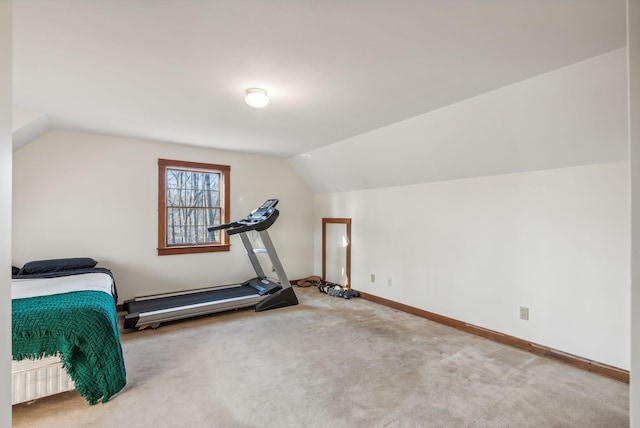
x=180 y=312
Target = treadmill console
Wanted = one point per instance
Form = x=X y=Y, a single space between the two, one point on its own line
x=260 y=219
x=264 y=209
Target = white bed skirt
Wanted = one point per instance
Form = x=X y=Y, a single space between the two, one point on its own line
x=32 y=379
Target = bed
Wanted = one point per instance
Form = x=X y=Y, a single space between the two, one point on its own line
x=64 y=331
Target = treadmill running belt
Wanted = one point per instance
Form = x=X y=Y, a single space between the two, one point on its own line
x=191 y=299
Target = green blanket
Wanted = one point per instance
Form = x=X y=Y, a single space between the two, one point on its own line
x=82 y=327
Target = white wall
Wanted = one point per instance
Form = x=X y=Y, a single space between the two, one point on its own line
x=554 y=239
x=476 y=250
x=27 y=126
x=5 y=210
x=82 y=194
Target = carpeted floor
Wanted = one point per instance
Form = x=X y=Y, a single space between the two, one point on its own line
x=330 y=362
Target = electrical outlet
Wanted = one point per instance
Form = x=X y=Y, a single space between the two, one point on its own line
x=389 y=282
x=524 y=313
x=373 y=277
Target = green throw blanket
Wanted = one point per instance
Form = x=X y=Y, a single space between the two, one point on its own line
x=82 y=327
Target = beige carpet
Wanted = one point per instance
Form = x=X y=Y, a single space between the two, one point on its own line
x=330 y=362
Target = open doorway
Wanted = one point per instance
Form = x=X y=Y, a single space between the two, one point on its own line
x=336 y=251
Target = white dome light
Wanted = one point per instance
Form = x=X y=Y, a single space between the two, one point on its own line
x=256 y=97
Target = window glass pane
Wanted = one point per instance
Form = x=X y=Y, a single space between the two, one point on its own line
x=202 y=236
x=212 y=217
x=174 y=197
x=214 y=236
x=211 y=199
x=174 y=230
x=192 y=189
x=211 y=190
x=171 y=178
x=189 y=225
x=178 y=225
x=198 y=217
x=187 y=179
x=175 y=188
x=211 y=182
x=191 y=197
x=196 y=198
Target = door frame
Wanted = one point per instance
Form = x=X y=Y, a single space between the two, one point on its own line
x=347 y=222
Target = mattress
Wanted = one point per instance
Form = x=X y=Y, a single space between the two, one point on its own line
x=33 y=379
x=32 y=287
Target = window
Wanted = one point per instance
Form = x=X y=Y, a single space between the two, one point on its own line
x=192 y=197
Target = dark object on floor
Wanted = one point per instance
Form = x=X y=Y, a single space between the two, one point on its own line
x=336 y=290
x=309 y=281
x=350 y=293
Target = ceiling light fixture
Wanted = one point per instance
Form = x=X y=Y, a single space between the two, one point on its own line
x=256 y=97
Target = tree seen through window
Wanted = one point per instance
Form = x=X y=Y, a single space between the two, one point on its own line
x=193 y=199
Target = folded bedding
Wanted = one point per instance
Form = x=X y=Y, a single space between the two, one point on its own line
x=76 y=319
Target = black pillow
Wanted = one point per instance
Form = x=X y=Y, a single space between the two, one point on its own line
x=14 y=270
x=57 y=265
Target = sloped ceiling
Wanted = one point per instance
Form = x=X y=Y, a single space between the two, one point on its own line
x=177 y=70
x=573 y=116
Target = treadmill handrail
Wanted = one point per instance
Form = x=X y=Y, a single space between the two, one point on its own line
x=223 y=226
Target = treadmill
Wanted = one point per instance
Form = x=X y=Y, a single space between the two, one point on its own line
x=261 y=292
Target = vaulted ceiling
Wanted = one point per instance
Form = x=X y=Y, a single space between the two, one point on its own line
x=177 y=70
